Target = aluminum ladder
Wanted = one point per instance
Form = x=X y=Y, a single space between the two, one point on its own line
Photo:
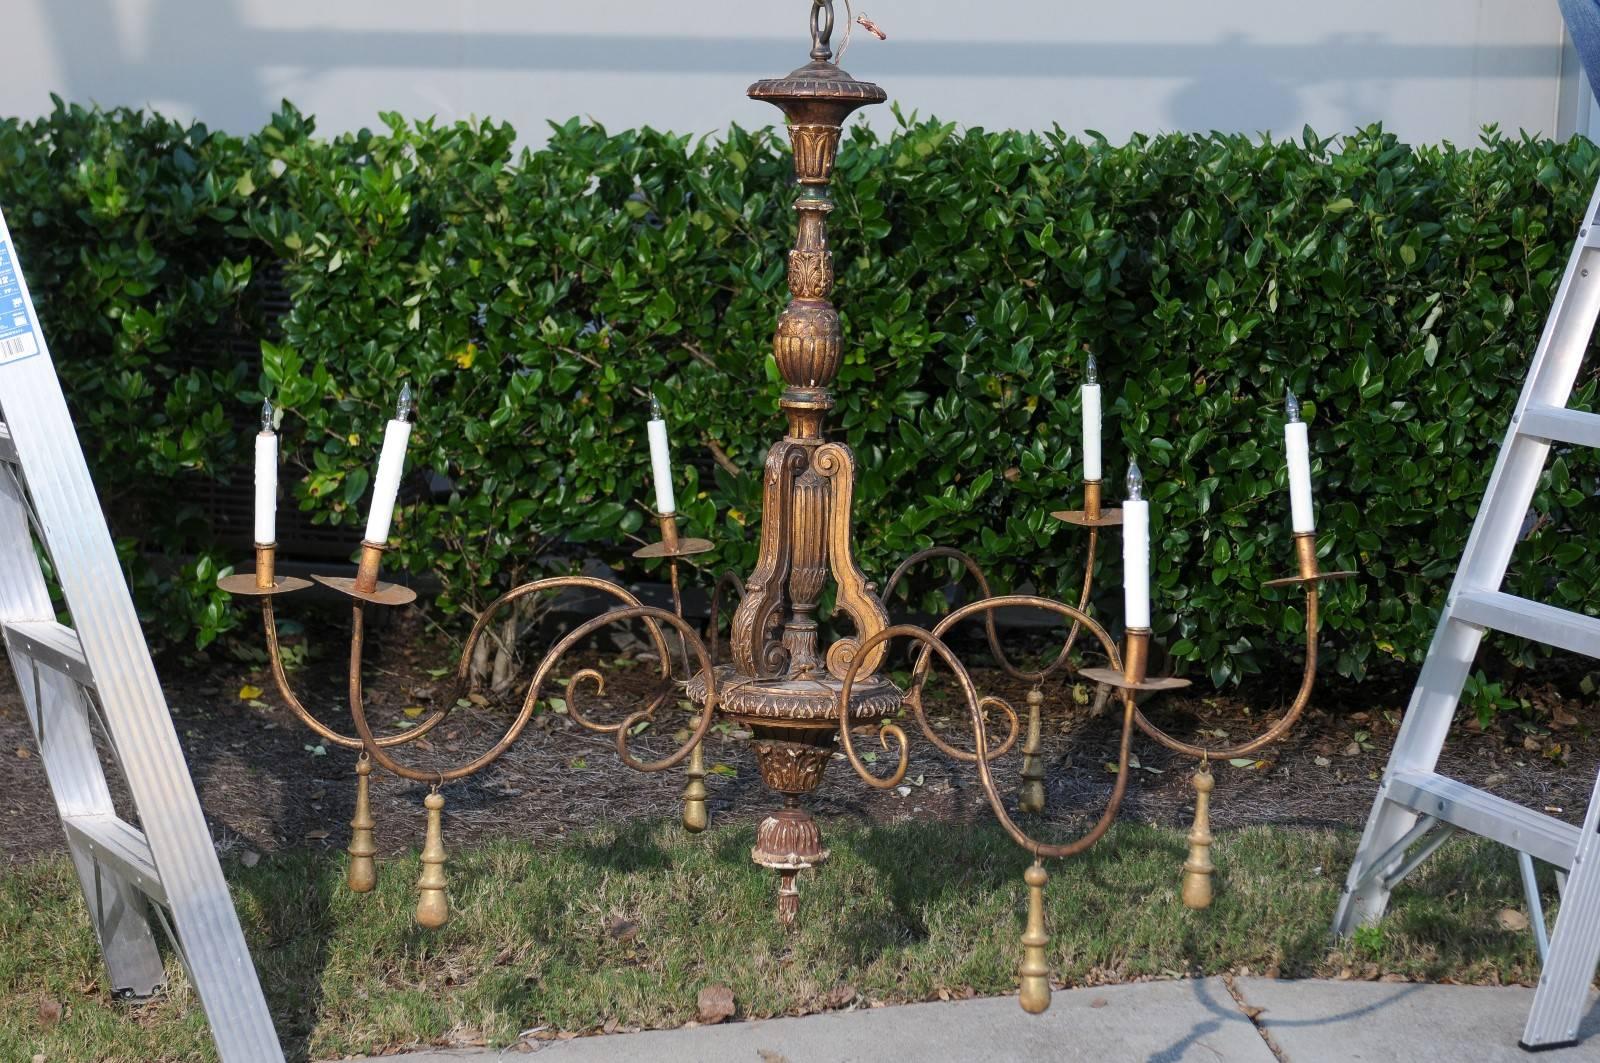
x=99 y=671
x=1417 y=809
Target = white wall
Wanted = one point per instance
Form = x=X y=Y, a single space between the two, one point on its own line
x=1430 y=69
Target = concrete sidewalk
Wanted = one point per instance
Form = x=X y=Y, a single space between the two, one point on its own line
x=1161 y=1022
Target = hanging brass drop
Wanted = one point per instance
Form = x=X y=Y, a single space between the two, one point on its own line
x=1198 y=868
x=363 y=874
x=1035 y=968
x=1032 y=797
x=433 y=907
x=694 y=791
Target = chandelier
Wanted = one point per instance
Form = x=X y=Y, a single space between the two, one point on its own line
x=800 y=698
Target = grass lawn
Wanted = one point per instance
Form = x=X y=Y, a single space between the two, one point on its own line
x=625 y=926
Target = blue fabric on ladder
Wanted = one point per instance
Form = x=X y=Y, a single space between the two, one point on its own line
x=1583 y=22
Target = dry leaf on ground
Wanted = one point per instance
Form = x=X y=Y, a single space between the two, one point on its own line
x=715 y=1004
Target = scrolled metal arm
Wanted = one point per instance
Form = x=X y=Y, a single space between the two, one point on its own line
x=1302 y=698
x=935 y=644
x=631 y=610
x=280 y=679
x=989 y=629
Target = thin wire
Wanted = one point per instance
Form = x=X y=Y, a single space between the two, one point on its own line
x=849 y=24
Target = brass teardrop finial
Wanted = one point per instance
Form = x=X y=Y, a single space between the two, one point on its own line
x=363 y=874
x=433 y=907
x=1034 y=969
x=1032 y=797
x=694 y=791
x=1198 y=868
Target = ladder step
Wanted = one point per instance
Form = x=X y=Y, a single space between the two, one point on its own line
x=1540 y=836
x=8 y=447
x=51 y=644
x=1532 y=620
x=1559 y=425
x=120 y=845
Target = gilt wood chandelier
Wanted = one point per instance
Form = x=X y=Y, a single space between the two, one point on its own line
x=799 y=697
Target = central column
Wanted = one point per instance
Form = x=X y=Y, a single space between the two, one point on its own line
x=784 y=685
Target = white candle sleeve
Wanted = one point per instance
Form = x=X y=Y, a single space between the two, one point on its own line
x=661 y=466
x=266 y=487
x=391 y=464
x=1298 y=447
x=1091 y=432
x=1136 y=563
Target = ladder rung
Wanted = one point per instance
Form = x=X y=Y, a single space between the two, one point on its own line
x=51 y=644
x=8 y=447
x=1540 y=836
x=1532 y=620
x=122 y=846
x=1559 y=425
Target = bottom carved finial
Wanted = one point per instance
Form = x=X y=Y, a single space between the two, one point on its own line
x=363 y=873
x=788 y=898
x=1034 y=970
x=433 y=907
x=1198 y=868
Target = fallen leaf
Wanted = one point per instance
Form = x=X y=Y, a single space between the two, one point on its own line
x=316 y=835
x=1098 y=1002
x=249 y=858
x=49 y=1012
x=841 y=995
x=769 y=1056
x=622 y=929
x=250 y=693
x=478 y=700
x=412 y=711
x=1511 y=919
x=24 y=752
x=724 y=769
x=1251 y=1011
x=714 y=1004
x=1322 y=762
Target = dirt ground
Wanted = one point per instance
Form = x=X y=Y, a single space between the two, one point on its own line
x=266 y=783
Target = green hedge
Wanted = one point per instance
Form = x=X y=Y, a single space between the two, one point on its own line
x=532 y=298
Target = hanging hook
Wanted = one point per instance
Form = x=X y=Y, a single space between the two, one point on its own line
x=821 y=30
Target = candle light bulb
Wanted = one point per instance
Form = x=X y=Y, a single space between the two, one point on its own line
x=1091 y=372
x=655 y=408
x=402 y=408
x=1291 y=406
x=266 y=415
x=1135 y=482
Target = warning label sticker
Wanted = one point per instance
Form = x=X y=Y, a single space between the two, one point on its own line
x=18 y=338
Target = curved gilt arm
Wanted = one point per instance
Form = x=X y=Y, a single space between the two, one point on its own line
x=989 y=629
x=280 y=679
x=937 y=646
x=1301 y=699
x=855 y=598
x=631 y=610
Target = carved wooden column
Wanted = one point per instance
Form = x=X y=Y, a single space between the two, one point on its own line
x=784 y=684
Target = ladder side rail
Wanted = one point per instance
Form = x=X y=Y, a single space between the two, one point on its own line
x=61 y=732
x=1574 y=951
x=1554 y=367
x=94 y=586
